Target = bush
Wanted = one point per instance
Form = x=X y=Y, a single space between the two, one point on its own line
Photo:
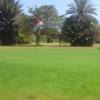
x=24 y=38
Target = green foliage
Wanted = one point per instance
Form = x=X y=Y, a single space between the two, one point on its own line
x=79 y=27
x=8 y=27
x=97 y=33
x=25 y=27
x=51 y=34
x=77 y=34
x=49 y=15
x=24 y=38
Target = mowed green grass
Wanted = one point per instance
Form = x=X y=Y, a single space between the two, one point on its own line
x=49 y=73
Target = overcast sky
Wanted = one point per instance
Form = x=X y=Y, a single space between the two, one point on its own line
x=61 y=5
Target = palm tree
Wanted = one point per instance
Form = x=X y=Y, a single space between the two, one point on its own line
x=82 y=9
x=82 y=18
x=9 y=9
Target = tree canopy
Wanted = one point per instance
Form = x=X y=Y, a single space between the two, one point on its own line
x=9 y=9
x=79 y=25
x=49 y=16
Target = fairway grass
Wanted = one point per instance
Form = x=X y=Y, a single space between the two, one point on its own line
x=49 y=73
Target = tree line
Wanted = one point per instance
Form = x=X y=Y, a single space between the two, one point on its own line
x=78 y=26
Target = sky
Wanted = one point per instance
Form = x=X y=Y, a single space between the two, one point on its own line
x=61 y=5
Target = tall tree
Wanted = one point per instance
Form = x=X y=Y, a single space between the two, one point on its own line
x=79 y=26
x=25 y=25
x=97 y=35
x=9 y=9
x=48 y=15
